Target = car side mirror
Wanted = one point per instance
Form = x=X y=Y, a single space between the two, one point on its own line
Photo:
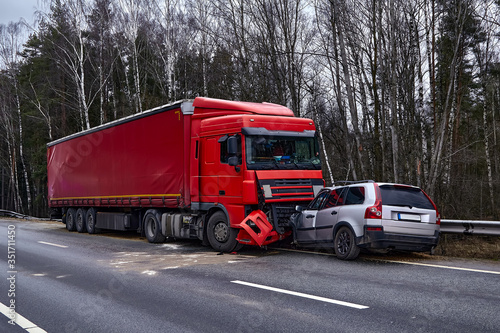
x=299 y=209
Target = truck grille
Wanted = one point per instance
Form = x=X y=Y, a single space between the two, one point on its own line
x=289 y=190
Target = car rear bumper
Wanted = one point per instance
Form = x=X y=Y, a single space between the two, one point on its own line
x=383 y=240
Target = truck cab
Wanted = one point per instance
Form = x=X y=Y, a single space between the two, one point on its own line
x=254 y=165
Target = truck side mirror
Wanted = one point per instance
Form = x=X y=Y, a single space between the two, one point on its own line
x=233 y=160
x=232 y=145
x=232 y=152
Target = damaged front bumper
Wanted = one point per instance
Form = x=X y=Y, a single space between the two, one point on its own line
x=257 y=230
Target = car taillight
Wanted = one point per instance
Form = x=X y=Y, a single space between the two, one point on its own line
x=375 y=211
x=438 y=217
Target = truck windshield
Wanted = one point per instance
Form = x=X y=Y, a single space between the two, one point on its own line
x=282 y=152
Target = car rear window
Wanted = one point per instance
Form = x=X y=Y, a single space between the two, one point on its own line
x=394 y=195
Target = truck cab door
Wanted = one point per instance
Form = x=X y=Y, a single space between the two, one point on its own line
x=306 y=226
x=220 y=180
x=230 y=175
x=209 y=183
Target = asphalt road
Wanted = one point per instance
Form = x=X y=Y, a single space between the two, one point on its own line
x=70 y=282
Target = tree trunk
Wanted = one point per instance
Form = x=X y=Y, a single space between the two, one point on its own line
x=444 y=121
x=2 y=180
x=350 y=97
x=323 y=146
x=21 y=150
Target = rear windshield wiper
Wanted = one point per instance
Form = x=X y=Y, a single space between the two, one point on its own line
x=399 y=205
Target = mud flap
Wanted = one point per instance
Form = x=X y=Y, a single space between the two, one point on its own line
x=256 y=230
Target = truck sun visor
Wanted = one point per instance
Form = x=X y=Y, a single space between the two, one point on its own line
x=261 y=131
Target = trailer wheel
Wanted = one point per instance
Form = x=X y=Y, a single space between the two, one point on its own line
x=220 y=235
x=81 y=220
x=152 y=227
x=91 y=220
x=71 y=219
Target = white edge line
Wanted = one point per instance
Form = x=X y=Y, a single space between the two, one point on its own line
x=294 y=293
x=21 y=321
x=52 y=244
x=403 y=262
x=444 y=266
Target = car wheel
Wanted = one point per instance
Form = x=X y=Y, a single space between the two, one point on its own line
x=220 y=235
x=345 y=244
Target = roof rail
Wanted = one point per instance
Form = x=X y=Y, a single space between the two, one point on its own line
x=349 y=182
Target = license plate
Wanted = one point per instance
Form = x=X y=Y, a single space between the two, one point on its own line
x=409 y=217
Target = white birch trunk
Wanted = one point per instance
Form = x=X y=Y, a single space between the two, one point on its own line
x=323 y=147
x=137 y=80
x=21 y=152
x=350 y=98
x=442 y=132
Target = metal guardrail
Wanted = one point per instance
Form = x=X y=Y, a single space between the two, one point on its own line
x=9 y=213
x=470 y=227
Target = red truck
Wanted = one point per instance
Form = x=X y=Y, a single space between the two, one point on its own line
x=226 y=172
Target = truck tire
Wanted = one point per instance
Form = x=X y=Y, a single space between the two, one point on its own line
x=71 y=219
x=220 y=235
x=152 y=227
x=81 y=220
x=91 y=221
x=345 y=244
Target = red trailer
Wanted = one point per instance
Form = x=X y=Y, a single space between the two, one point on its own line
x=225 y=172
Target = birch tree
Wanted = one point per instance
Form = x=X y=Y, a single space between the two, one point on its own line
x=170 y=33
x=130 y=15
x=9 y=139
x=10 y=46
x=459 y=14
x=484 y=58
x=102 y=58
x=72 y=52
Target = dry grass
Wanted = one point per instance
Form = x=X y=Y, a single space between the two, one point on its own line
x=469 y=246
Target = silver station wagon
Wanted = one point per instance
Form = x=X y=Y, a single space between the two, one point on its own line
x=369 y=215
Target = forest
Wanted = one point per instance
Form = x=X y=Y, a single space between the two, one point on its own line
x=404 y=91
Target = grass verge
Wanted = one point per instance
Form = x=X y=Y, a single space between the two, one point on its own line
x=469 y=246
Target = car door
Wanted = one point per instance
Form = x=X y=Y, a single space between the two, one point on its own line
x=306 y=228
x=327 y=216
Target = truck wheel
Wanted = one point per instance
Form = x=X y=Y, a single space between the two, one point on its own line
x=71 y=219
x=91 y=220
x=220 y=235
x=152 y=227
x=81 y=220
x=345 y=244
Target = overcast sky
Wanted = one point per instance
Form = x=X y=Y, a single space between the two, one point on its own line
x=13 y=10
